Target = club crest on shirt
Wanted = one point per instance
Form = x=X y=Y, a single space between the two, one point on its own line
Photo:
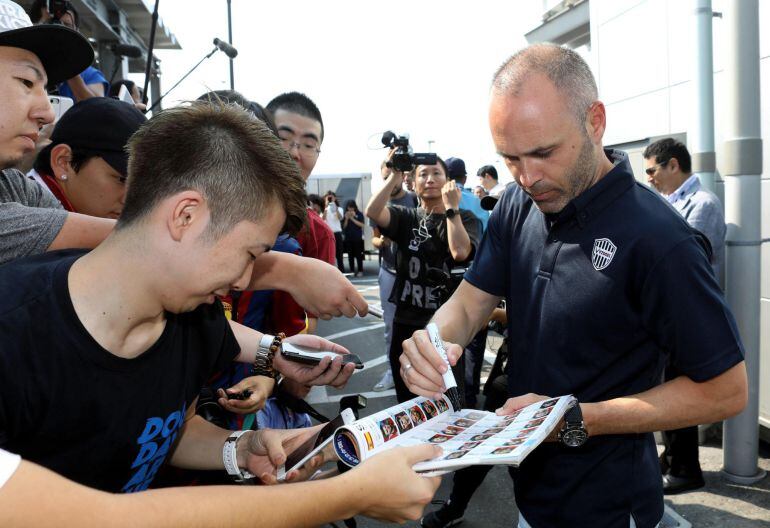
x=602 y=254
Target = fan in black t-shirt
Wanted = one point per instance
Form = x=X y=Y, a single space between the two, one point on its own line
x=432 y=240
x=104 y=353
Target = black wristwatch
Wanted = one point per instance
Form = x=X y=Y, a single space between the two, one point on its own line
x=450 y=213
x=573 y=433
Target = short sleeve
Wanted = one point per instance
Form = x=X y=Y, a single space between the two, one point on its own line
x=489 y=265
x=26 y=231
x=398 y=229
x=217 y=340
x=8 y=465
x=94 y=76
x=686 y=313
x=325 y=241
x=472 y=226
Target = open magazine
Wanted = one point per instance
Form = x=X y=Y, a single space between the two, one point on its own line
x=468 y=437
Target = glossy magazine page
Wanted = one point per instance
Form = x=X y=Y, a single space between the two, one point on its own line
x=468 y=437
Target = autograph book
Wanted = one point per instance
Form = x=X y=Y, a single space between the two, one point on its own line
x=468 y=437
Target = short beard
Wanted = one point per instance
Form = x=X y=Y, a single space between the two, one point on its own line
x=582 y=173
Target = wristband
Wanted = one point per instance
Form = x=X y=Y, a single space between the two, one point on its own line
x=230 y=459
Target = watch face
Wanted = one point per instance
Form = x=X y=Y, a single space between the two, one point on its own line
x=574 y=437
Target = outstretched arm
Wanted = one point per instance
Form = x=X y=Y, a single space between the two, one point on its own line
x=384 y=487
x=323 y=290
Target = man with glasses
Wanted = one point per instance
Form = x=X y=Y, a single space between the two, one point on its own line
x=668 y=169
x=301 y=130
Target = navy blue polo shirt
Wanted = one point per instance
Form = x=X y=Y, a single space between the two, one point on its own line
x=598 y=298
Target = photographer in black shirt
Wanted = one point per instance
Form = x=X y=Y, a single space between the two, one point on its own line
x=433 y=239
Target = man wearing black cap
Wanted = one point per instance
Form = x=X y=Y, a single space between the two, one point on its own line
x=85 y=165
x=31 y=220
x=468 y=201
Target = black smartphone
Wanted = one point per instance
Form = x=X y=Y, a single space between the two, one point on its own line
x=314 y=444
x=243 y=395
x=312 y=356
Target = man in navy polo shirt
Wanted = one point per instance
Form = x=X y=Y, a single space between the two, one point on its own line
x=590 y=264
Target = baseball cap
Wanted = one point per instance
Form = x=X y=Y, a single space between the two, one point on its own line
x=63 y=51
x=456 y=168
x=100 y=126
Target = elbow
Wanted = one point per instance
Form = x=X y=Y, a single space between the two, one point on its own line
x=738 y=401
x=737 y=398
x=461 y=254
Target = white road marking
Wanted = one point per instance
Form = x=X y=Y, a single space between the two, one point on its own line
x=318 y=397
x=371 y=363
x=352 y=331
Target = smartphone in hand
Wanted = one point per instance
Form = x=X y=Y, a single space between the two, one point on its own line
x=313 y=356
x=313 y=445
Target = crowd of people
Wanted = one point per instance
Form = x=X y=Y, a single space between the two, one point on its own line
x=161 y=259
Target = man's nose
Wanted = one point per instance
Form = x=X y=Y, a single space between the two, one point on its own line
x=528 y=174
x=42 y=111
x=242 y=283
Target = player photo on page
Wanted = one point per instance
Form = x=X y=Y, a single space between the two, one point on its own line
x=403 y=422
x=388 y=429
x=429 y=408
x=416 y=414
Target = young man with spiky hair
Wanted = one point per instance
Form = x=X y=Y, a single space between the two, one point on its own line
x=133 y=329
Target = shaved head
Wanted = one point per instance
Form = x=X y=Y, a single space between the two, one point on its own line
x=565 y=68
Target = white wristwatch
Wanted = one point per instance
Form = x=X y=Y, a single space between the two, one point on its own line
x=231 y=460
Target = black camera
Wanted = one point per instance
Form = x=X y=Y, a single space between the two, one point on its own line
x=403 y=159
x=57 y=9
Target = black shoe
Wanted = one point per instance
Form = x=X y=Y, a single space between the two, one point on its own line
x=442 y=518
x=673 y=485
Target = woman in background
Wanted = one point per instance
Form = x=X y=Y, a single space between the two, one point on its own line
x=353 y=233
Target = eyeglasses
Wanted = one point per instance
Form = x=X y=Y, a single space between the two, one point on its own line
x=306 y=149
x=652 y=170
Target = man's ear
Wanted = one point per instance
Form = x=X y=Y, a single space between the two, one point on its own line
x=673 y=165
x=188 y=215
x=61 y=162
x=596 y=121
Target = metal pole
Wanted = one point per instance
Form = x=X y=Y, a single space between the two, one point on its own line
x=701 y=132
x=740 y=163
x=230 y=40
x=150 y=49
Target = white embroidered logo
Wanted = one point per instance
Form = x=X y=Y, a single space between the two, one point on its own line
x=602 y=254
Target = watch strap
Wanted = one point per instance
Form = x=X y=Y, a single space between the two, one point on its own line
x=269 y=346
x=230 y=459
x=574 y=415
